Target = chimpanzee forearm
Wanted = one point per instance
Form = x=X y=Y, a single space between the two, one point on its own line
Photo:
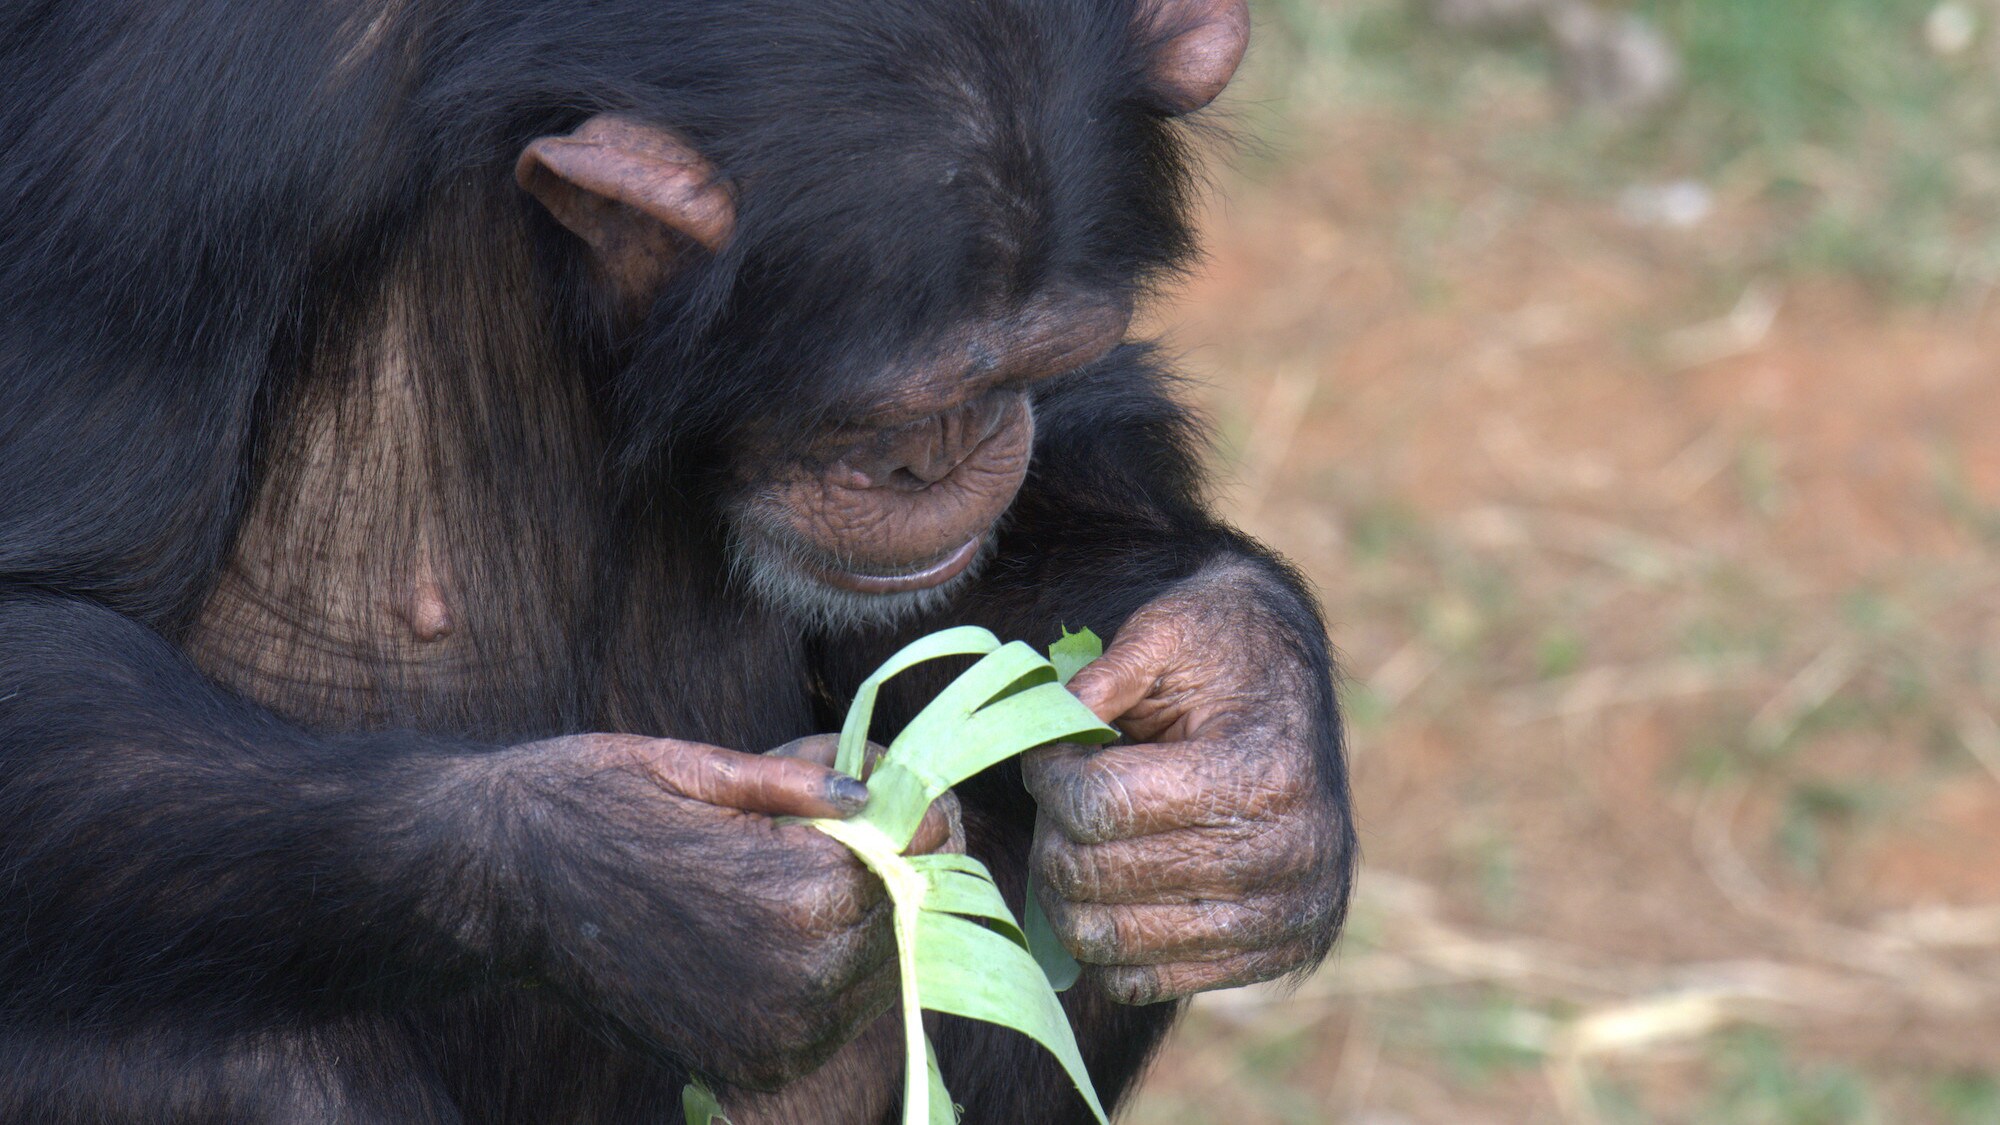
x=173 y=854
x=170 y=848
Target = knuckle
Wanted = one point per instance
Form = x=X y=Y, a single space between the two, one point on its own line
x=1290 y=958
x=1132 y=984
x=1289 y=773
x=1308 y=912
x=1088 y=806
x=1056 y=781
x=1038 y=768
x=1268 y=967
x=1266 y=926
x=823 y=907
x=1294 y=916
x=855 y=940
x=1224 y=924
x=1283 y=854
x=832 y=872
x=1092 y=933
x=1061 y=867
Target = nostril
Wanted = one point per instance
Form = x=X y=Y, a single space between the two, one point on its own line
x=917 y=456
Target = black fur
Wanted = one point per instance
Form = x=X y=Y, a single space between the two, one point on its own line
x=265 y=885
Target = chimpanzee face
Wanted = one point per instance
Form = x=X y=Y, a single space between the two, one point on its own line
x=891 y=507
x=899 y=280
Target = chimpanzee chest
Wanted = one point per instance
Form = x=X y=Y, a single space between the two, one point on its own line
x=356 y=593
x=450 y=558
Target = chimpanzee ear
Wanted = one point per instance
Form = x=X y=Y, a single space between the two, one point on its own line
x=1197 y=46
x=634 y=193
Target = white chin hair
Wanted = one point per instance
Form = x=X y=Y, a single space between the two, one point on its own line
x=775 y=580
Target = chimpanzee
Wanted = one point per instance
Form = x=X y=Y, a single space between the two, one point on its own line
x=445 y=443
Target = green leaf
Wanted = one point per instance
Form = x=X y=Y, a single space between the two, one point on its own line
x=991 y=678
x=959 y=884
x=1073 y=651
x=968 y=970
x=918 y=771
x=906 y=887
x=1069 y=656
x=966 y=640
x=1047 y=949
x=958 y=948
x=699 y=1106
x=943 y=1110
x=985 y=716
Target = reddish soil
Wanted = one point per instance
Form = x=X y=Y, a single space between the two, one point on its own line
x=1635 y=595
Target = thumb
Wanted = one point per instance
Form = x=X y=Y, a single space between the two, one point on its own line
x=1114 y=683
x=758 y=783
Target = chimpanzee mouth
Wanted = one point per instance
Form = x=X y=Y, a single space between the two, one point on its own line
x=923 y=577
x=816 y=590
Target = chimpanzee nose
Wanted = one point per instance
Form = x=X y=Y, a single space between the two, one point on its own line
x=925 y=452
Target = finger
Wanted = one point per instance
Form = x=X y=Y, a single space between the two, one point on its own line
x=941 y=830
x=1114 y=683
x=1118 y=792
x=1163 y=933
x=1196 y=865
x=757 y=783
x=1151 y=984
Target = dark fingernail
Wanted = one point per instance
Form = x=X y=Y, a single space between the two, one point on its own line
x=846 y=794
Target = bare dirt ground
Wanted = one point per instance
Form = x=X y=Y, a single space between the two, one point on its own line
x=1669 y=601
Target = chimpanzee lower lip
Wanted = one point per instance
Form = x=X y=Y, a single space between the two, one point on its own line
x=936 y=574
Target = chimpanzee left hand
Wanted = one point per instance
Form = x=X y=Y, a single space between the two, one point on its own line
x=1208 y=851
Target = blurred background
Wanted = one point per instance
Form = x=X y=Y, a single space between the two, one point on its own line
x=1622 y=373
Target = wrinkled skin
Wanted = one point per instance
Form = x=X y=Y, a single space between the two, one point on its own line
x=1203 y=852
x=830 y=965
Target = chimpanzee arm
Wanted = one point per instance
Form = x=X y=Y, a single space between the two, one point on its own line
x=176 y=855
x=171 y=849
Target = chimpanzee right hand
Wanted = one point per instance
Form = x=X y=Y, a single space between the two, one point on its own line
x=673 y=902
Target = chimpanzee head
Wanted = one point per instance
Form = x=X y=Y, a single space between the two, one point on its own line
x=840 y=259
